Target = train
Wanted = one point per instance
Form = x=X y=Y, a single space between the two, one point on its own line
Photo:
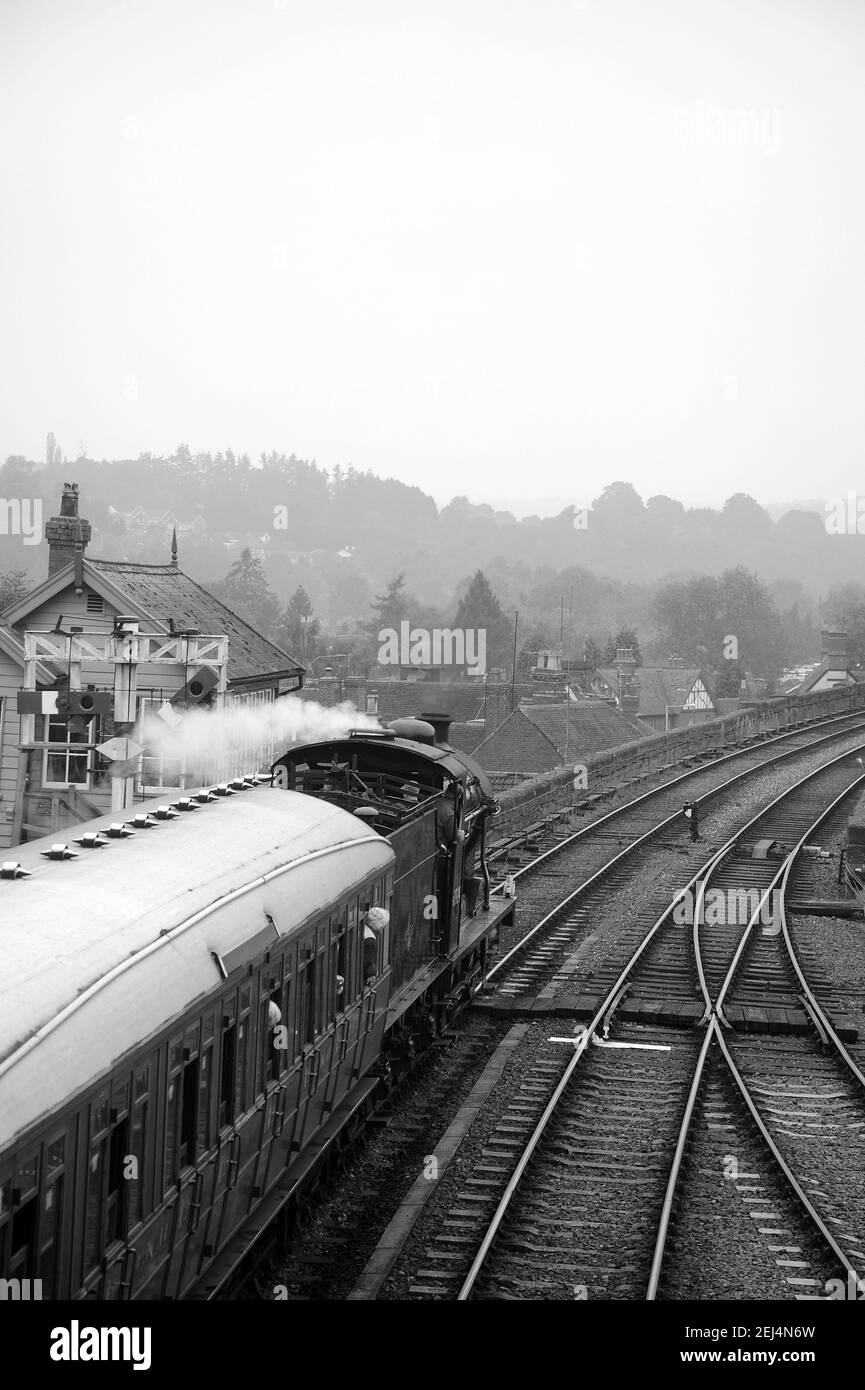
x=851 y=867
x=202 y=1002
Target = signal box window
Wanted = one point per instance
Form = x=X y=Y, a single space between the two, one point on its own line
x=69 y=766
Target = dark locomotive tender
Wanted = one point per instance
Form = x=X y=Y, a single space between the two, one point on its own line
x=153 y=1122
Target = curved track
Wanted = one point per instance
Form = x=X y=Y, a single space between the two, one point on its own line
x=644 y=1081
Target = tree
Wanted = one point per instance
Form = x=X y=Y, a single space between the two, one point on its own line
x=299 y=627
x=246 y=590
x=391 y=607
x=722 y=622
x=480 y=609
x=618 y=504
x=13 y=586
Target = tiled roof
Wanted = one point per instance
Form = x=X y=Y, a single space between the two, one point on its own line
x=517 y=745
x=538 y=738
x=827 y=664
x=164 y=592
x=659 y=686
x=462 y=700
x=590 y=725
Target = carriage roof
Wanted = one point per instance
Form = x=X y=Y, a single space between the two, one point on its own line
x=101 y=952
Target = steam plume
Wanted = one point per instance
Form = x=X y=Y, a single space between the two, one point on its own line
x=211 y=745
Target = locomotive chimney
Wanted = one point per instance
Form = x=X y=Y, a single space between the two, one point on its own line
x=441 y=723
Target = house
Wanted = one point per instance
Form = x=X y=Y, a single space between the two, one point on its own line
x=664 y=697
x=539 y=737
x=42 y=789
x=835 y=667
x=164 y=522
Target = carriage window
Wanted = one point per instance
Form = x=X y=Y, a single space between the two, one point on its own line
x=205 y=1073
x=270 y=1056
x=309 y=1002
x=352 y=977
x=181 y=1130
x=189 y=1105
x=117 y=1195
x=305 y=1016
x=241 y=1069
x=227 y=1064
x=138 y=1207
x=107 y=1189
x=286 y=1055
x=338 y=965
x=19 y=1205
x=95 y=1179
x=173 y=1101
x=52 y=1209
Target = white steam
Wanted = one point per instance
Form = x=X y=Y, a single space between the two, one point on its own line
x=209 y=745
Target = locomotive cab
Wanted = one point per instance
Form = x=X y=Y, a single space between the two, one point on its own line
x=433 y=804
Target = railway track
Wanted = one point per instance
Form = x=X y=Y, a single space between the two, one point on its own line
x=607 y=854
x=573 y=1194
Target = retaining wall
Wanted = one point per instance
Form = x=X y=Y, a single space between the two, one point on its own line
x=551 y=791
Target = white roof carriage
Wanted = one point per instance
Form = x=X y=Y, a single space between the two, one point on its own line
x=101 y=951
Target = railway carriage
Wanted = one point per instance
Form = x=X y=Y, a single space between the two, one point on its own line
x=153 y=1114
x=193 y=1015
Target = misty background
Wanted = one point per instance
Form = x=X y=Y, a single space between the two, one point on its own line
x=436 y=280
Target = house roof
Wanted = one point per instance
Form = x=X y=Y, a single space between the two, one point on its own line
x=155 y=593
x=164 y=591
x=539 y=737
x=827 y=664
x=592 y=724
x=660 y=686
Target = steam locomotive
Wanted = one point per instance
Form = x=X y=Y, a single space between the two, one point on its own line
x=194 y=1012
x=852 y=859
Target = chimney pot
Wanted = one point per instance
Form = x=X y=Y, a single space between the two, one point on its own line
x=67 y=534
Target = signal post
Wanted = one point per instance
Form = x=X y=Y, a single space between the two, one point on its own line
x=179 y=665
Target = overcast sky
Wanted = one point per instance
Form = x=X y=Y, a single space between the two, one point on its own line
x=514 y=248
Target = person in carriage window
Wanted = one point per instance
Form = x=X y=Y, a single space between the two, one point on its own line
x=374 y=923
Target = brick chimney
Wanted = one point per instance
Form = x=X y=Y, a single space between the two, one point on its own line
x=629 y=695
x=496 y=705
x=68 y=533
